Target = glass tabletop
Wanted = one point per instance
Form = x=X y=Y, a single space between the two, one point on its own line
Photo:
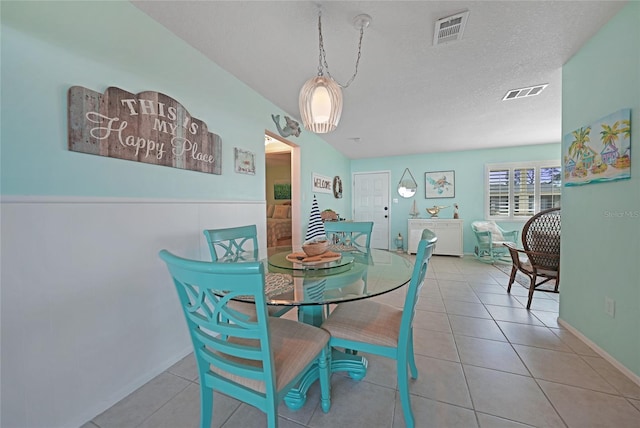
x=357 y=275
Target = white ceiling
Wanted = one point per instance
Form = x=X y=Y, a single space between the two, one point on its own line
x=409 y=96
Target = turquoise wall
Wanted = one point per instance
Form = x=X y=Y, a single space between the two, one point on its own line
x=48 y=47
x=469 y=182
x=601 y=222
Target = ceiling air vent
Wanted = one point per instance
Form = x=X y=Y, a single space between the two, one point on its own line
x=450 y=28
x=529 y=91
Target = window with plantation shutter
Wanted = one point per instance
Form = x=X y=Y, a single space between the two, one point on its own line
x=519 y=190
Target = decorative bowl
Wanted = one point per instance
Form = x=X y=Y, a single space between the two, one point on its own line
x=315 y=248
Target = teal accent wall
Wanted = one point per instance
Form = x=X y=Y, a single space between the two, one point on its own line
x=601 y=222
x=48 y=47
x=469 y=182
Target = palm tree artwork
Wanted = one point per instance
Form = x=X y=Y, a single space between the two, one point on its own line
x=581 y=138
x=605 y=158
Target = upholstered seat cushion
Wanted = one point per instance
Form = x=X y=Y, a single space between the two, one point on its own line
x=490 y=226
x=365 y=321
x=294 y=346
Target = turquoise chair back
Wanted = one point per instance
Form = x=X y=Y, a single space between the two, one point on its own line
x=349 y=233
x=372 y=327
x=233 y=351
x=423 y=255
x=233 y=244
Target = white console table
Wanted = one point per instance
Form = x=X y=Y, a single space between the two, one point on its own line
x=448 y=231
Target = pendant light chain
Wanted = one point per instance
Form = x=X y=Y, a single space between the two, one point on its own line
x=322 y=57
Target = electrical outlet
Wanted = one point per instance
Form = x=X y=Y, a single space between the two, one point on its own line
x=609 y=307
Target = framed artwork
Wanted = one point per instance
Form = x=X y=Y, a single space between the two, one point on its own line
x=439 y=184
x=599 y=151
x=245 y=161
x=281 y=190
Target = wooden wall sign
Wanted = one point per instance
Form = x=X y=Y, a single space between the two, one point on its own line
x=148 y=127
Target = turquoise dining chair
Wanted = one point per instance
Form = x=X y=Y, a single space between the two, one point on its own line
x=233 y=243
x=254 y=359
x=345 y=234
x=380 y=329
x=238 y=244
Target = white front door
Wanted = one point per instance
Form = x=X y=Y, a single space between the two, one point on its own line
x=371 y=203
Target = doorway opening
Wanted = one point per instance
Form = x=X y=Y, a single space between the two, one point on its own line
x=282 y=181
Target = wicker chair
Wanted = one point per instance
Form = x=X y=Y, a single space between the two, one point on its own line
x=540 y=258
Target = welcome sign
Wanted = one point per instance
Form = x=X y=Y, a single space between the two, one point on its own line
x=148 y=127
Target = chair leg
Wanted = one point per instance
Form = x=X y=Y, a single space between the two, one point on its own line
x=403 y=387
x=272 y=415
x=512 y=278
x=532 y=287
x=324 y=363
x=206 y=405
x=412 y=359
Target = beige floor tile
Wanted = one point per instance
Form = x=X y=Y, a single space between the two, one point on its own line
x=532 y=335
x=488 y=288
x=489 y=354
x=489 y=421
x=249 y=416
x=186 y=368
x=518 y=290
x=461 y=285
x=184 y=410
x=468 y=309
x=549 y=319
x=562 y=367
x=434 y=344
x=461 y=295
x=614 y=376
x=479 y=278
x=476 y=327
x=540 y=303
x=431 y=304
x=437 y=321
x=595 y=409
x=450 y=276
x=514 y=397
x=433 y=414
x=577 y=345
x=519 y=315
x=132 y=410
x=502 y=299
x=440 y=380
x=363 y=404
x=380 y=370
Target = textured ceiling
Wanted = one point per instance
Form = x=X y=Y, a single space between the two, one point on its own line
x=409 y=96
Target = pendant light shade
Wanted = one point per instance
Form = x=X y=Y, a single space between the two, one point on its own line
x=320 y=104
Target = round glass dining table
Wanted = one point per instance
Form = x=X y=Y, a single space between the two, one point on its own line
x=355 y=275
x=310 y=286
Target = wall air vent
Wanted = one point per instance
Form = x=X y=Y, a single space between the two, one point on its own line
x=529 y=91
x=450 y=28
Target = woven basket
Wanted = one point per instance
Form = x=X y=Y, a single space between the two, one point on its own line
x=315 y=248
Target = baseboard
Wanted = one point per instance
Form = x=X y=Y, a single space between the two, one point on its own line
x=604 y=354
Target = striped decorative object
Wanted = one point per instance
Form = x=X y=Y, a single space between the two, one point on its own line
x=315 y=230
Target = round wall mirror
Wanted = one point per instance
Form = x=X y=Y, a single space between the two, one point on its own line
x=407 y=186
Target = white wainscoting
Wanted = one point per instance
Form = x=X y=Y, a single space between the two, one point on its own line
x=89 y=312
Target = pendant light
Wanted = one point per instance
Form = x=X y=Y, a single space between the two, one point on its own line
x=320 y=99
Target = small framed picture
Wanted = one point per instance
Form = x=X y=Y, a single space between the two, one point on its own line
x=439 y=184
x=245 y=161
